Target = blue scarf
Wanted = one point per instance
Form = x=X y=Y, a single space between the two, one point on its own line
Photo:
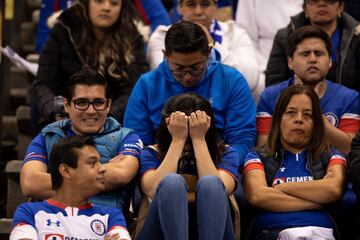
x=215 y=31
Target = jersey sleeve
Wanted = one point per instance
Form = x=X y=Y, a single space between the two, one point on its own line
x=264 y=114
x=117 y=224
x=131 y=145
x=350 y=120
x=230 y=162
x=23 y=231
x=149 y=160
x=37 y=150
x=23 y=216
x=252 y=161
x=337 y=157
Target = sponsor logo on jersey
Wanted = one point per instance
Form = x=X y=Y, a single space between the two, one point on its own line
x=299 y=179
x=98 y=227
x=278 y=181
x=54 y=236
x=332 y=118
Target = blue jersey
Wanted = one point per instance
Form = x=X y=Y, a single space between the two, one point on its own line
x=229 y=162
x=293 y=169
x=54 y=221
x=340 y=105
x=131 y=145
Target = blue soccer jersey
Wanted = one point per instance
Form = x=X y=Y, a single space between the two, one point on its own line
x=293 y=169
x=340 y=105
x=50 y=220
x=229 y=162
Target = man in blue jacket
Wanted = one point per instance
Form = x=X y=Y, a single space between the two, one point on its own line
x=190 y=65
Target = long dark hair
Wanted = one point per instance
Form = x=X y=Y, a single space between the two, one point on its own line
x=116 y=51
x=188 y=103
x=318 y=144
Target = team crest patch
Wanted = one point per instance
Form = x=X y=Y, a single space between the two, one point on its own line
x=54 y=236
x=332 y=118
x=278 y=181
x=98 y=227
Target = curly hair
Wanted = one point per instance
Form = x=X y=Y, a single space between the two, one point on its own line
x=112 y=55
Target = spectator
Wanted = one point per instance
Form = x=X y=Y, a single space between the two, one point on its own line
x=354 y=159
x=191 y=66
x=87 y=103
x=188 y=144
x=76 y=174
x=309 y=56
x=344 y=33
x=232 y=42
x=296 y=168
x=104 y=38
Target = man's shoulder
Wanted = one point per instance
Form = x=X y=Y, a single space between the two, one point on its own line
x=275 y=90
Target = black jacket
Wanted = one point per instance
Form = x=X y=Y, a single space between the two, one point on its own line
x=345 y=72
x=354 y=159
x=60 y=59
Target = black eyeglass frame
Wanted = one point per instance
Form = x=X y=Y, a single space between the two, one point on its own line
x=104 y=102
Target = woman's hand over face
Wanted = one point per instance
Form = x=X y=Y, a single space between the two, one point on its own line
x=199 y=124
x=177 y=125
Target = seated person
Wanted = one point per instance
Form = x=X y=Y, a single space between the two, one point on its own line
x=232 y=42
x=296 y=174
x=339 y=26
x=191 y=66
x=87 y=104
x=91 y=33
x=309 y=56
x=188 y=144
x=76 y=174
x=354 y=159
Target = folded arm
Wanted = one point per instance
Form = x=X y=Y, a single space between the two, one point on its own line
x=322 y=191
x=268 y=198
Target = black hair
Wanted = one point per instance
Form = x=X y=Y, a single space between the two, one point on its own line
x=188 y=103
x=186 y=37
x=66 y=151
x=305 y=32
x=85 y=76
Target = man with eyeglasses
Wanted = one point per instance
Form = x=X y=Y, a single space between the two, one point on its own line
x=344 y=32
x=87 y=103
x=233 y=42
x=191 y=66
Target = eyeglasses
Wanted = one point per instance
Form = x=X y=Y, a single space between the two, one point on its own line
x=313 y=2
x=203 y=3
x=83 y=104
x=194 y=71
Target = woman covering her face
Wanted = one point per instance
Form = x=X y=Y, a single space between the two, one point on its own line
x=188 y=144
x=99 y=34
x=292 y=178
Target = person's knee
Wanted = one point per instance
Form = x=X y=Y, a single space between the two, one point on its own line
x=209 y=184
x=173 y=183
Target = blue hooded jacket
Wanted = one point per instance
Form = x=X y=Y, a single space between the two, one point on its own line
x=223 y=86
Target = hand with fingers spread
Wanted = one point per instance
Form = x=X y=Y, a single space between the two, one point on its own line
x=177 y=125
x=199 y=124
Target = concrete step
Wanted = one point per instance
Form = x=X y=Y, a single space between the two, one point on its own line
x=19 y=78
x=18 y=97
x=34 y=4
x=9 y=128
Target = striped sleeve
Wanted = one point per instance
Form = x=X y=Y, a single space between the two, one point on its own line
x=252 y=162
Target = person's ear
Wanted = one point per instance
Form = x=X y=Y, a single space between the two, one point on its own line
x=290 y=63
x=64 y=171
x=330 y=63
x=67 y=105
x=164 y=52
x=108 y=107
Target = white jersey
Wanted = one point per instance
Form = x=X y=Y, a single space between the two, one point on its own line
x=50 y=220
